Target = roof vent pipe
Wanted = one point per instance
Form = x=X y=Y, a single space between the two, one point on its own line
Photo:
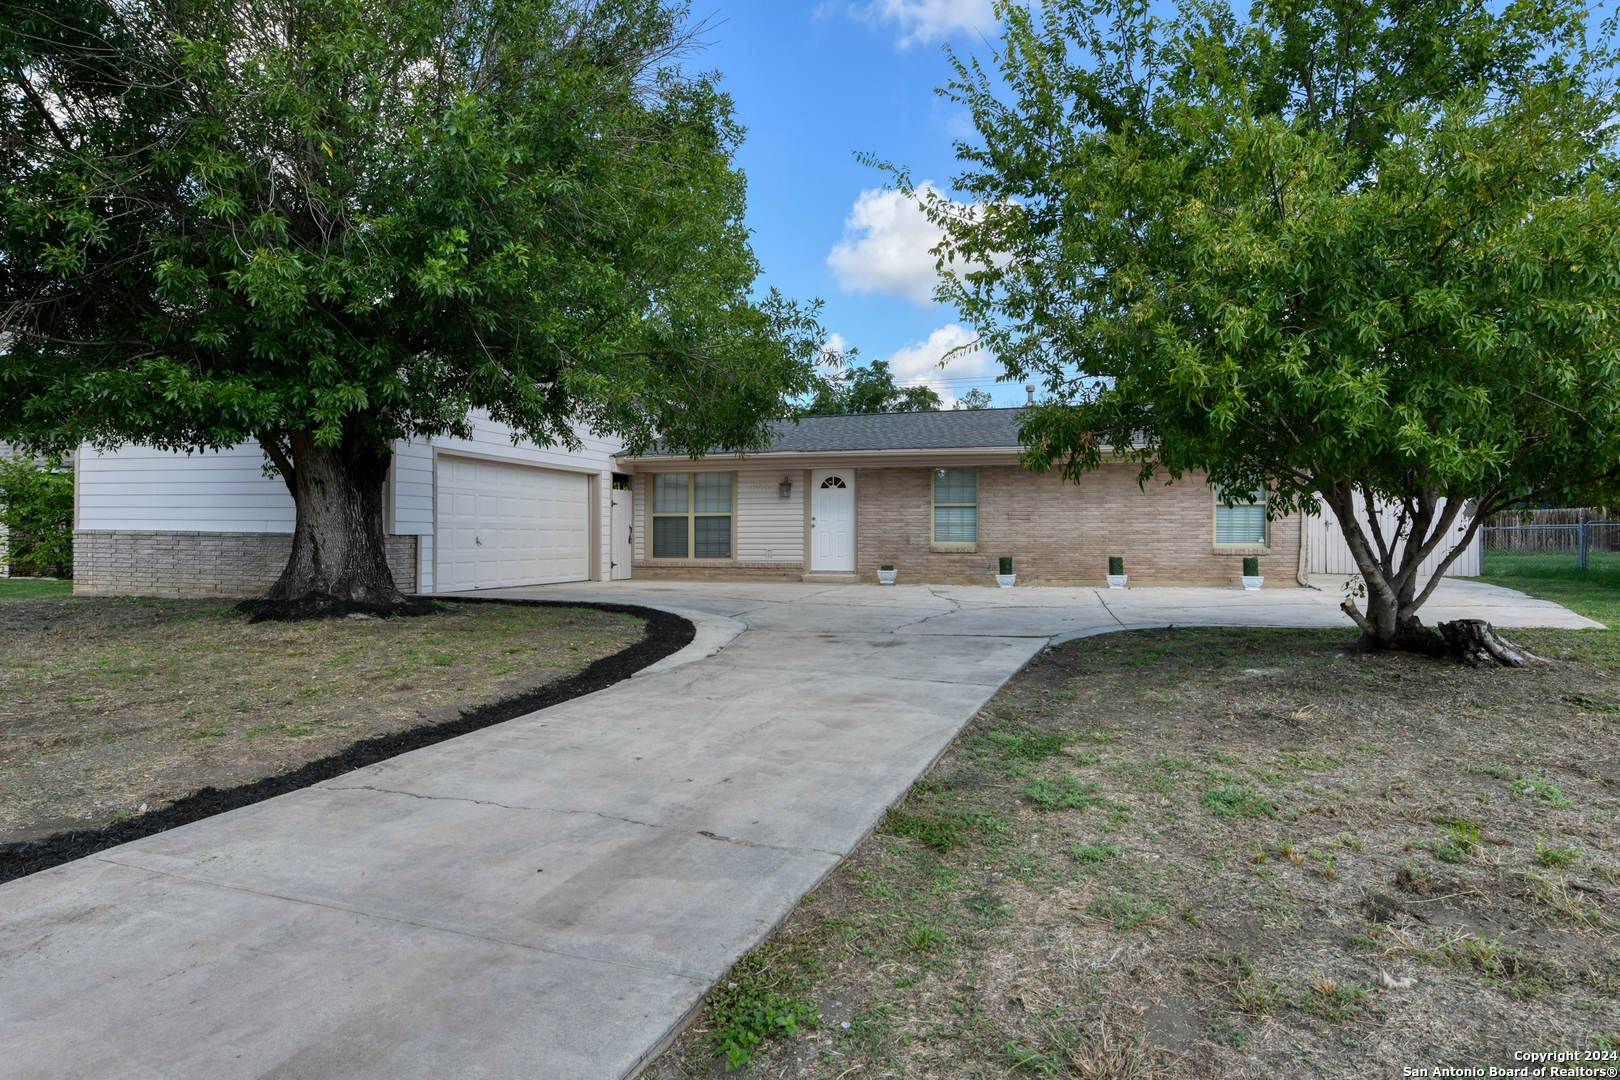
x=1030 y=388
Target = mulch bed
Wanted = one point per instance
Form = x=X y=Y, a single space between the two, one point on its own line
x=665 y=634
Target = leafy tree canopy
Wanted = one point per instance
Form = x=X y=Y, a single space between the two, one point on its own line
x=329 y=224
x=1337 y=248
x=869 y=389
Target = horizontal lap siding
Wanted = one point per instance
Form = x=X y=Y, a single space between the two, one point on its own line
x=1059 y=533
x=137 y=488
x=770 y=529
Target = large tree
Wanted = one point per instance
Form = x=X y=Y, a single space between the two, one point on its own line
x=1344 y=250
x=329 y=224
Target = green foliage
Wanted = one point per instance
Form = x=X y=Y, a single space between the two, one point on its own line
x=869 y=389
x=1556 y=856
x=1227 y=798
x=36 y=507
x=760 y=999
x=974 y=400
x=1258 y=247
x=1095 y=853
x=945 y=831
x=358 y=221
x=1004 y=565
x=1116 y=565
x=1536 y=788
x=1251 y=566
x=1063 y=793
x=1024 y=743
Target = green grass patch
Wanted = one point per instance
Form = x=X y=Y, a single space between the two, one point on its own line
x=1095 y=853
x=945 y=831
x=1534 y=788
x=1062 y=793
x=1230 y=799
x=1023 y=743
x=33 y=588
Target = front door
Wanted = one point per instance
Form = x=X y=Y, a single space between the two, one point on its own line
x=620 y=522
x=832 y=520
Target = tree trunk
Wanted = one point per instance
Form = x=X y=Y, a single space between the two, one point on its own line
x=1389 y=572
x=339 y=560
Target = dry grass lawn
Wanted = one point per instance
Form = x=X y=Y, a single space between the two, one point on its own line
x=108 y=706
x=1219 y=853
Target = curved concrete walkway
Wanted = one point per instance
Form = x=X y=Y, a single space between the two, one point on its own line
x=550 y=897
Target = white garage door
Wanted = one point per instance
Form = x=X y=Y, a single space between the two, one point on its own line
x=501 y=525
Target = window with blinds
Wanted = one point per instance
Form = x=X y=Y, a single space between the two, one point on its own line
x=1243 y=522
x=956 y=506
x=691 y=515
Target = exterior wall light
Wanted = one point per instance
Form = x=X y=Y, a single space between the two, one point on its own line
x=785 y=488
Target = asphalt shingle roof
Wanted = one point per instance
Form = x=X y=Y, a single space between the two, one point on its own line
x=948 y=430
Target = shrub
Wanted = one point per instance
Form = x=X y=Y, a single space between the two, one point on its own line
x=1116 y=565
x=1006 y=564
x=1251 y=566
x=36 y=507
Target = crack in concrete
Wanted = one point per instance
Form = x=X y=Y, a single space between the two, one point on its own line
x=592 y=813
x=1103 y=600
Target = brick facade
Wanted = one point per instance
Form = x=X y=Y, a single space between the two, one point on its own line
x=708 y=571
x=1056 y=533
x=1061 y=534
x=197 y=564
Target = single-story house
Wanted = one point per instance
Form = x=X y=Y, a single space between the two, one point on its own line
x=939 y=495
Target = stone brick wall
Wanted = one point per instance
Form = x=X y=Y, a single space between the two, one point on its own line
x=1061 y=534
x=195 y=564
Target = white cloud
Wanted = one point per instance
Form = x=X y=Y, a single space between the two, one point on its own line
x=918 y=364
x=885 y=248
x=922 y=21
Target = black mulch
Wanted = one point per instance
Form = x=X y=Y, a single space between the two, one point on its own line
x=665 y=634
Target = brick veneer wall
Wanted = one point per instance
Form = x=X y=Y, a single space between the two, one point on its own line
x=1061 y=534
x=663 y=571
x=193 y=564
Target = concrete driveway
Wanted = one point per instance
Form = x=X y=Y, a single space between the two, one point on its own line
x=551 y=897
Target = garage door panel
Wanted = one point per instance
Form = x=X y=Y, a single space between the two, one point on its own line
x=503 y=525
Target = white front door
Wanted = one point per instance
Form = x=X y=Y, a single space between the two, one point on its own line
x=832 y=520
x=620 y=522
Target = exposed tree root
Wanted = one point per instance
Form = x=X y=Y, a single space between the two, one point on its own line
x=1471 y=641
x=326 y=606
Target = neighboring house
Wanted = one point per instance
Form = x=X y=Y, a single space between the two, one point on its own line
x=940 y=495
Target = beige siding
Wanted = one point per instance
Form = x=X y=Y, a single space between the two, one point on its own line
x=770 y=529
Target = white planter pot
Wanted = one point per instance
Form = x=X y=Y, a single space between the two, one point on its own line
x=1117 y=581
x=1252 y=583
x=1006 y=580
x=886 y=577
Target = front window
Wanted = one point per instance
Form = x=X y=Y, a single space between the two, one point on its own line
x=956 y=506
x=691 y=515
x=1243 y=522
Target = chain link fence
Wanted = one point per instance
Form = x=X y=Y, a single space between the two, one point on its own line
x=1556 y=539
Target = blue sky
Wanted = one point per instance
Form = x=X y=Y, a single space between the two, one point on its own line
x=814 y=81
